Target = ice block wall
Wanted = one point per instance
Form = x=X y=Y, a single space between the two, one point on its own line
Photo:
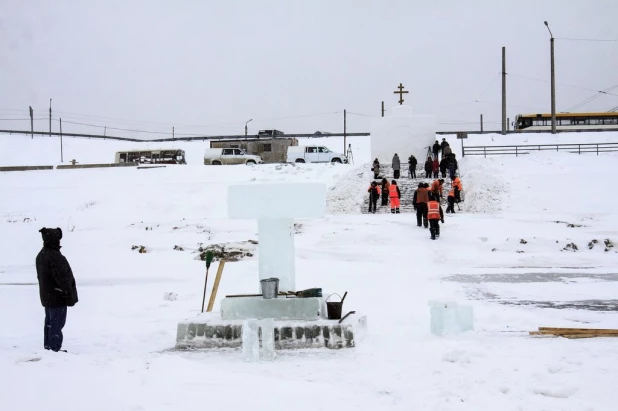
x=403 y=133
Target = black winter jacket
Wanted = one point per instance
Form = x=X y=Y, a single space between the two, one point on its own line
x=436 y=148
x=428 y=166
x=56 y=282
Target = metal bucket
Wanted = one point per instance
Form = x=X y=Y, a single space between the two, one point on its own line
x=270 y=288
x=333 y=309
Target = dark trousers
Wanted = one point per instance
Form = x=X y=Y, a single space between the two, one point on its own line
x=55 y=318
x=435 y=174
x=451 y=172
x=412 y=172
x=421 y=214
x=451 y=205
x=384 y=197
x=373 y=203
x=427 y=174
x=443 y=174
x=434 y=228
x=396 y=174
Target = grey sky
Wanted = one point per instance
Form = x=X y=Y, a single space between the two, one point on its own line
x=220 y=63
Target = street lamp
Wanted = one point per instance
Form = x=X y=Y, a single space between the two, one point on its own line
x=553 y=82
x=247 y=122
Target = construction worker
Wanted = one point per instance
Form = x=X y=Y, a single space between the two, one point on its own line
x=451 y=201
x=458 y=188
x=395 y=197
x=434 y=214
x=374 y=194
x=421 y=197
x=436 y=187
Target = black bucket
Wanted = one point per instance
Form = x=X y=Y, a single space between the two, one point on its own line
x=333 y=309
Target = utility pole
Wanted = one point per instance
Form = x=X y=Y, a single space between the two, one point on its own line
x=345 y=131
x=382 y=109
x=173 y=134
x=508 y=124
x=504 y=91
x=61 y=153
x=553 y=81
x=50 y=111
x=481 y=123
x=246 y=126
x=31 y=123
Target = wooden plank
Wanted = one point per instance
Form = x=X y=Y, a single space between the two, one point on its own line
x=578 y=330
x=215 y=287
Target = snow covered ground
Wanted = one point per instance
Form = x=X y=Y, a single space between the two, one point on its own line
x=121 y=334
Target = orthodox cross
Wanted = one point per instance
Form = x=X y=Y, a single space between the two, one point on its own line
x=401 y=92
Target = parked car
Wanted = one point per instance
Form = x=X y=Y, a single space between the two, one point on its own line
x=322 y=133
x=270 y=133
x=314 y=154
x=220 y=156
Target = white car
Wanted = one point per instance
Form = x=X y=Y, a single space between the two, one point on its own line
x=220 y=156
x=314 y=154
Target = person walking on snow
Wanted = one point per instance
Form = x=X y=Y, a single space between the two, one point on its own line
x=421 y=197
x=428 y=167
x=434 y=214
x=375 y=168
x=435 y=167
x=451 y=201
x=452 y=166
x=396 y=166
x=436 y=188
x=412 y=162
x=57 y=288
x=458 y=187
x=395 y=197
x=443 y=165
x=435 y=149
x=374 y=194
x=384 y=189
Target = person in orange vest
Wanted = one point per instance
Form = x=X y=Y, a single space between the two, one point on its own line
x=434 y=214
x=458 y=187
x=395 y=197
x=374 y=194
x=421 y=197
x=451 y=201
x=436 y=187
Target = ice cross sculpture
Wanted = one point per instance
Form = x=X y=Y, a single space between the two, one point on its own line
x=275 y=205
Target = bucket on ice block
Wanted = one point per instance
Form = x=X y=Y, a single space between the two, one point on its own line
x=333 y=308
x=270 y=288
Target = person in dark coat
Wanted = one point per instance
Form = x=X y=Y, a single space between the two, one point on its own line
x=435 y=149
x=442 y=145
x=443 y=165
x=452 y=166
x=375 y=168
x=396 y=166
x=56 y=287
x=412 y=162
x=428 y=167
x=384 y=187
x=374 y=194
x=419 y=201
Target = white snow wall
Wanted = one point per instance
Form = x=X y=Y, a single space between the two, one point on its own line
x=403 y=133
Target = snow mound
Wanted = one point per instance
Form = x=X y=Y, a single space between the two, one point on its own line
x=347 y=195
x=486 y=189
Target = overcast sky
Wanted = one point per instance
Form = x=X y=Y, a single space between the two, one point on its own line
x=295 y=65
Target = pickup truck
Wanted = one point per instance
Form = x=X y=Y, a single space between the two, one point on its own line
x=220 y=156
x=314 y=154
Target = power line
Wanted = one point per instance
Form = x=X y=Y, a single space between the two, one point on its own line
x=561 y=84
x=21 y=119
x=591 y=98
x=572 y=39
x=488 y=86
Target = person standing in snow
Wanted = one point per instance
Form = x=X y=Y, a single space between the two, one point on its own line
x=436 y=187
x=451 y=201
x=447 y=150
x=428 y=167
x=412 y=162
x=421 y=197
x=435 y=149
x=434 y=214
x=395 y=196
x=375 y=168
x=435 y=167
x=396 y=166
x=443 y=165
x=385 y=191
x=457 y=186
x=443 y=145
x=374 y=194
x=57 y=287
x=452 y=166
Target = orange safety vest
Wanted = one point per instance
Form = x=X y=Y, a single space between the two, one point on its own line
x=457 y=183
x=377 y=189
x=433 y=210
x=392 y=191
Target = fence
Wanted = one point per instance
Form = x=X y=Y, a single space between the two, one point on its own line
x=527 y=148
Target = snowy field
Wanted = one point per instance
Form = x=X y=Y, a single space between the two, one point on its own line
x=120 y=336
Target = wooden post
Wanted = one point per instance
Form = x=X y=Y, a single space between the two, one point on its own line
x=61 y=153
x=215 y=287
x=345 y=132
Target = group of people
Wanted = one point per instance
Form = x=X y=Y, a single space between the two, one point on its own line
x=387 y=191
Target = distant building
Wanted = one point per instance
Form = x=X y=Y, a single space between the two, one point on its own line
x=272 y=150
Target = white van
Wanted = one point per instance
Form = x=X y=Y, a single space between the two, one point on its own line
x=314 y=154
x=220 y=156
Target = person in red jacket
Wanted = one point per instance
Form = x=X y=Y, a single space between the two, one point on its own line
x=436 y=167
x=434 y=214
x=395 y=197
